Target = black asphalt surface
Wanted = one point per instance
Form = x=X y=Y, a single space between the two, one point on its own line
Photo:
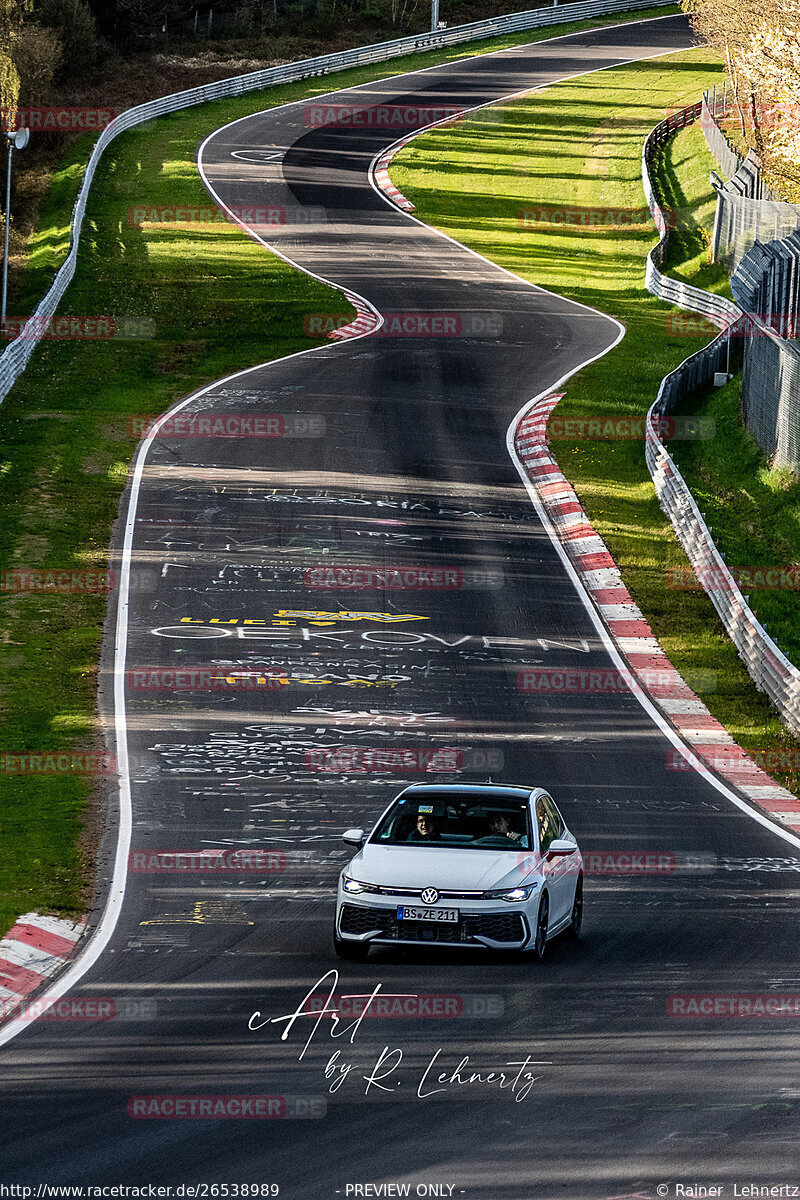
x=412 y=470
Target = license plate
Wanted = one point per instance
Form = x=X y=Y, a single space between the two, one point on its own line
x=406 y=913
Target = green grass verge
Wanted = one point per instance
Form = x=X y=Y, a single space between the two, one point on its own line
x=217 y=302
x=577 y=148
x=753 y=510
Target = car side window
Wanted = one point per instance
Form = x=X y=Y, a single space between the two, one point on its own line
x=546 y=827
x=555 y=817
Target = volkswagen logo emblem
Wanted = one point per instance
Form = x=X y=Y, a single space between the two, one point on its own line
x=430 y=895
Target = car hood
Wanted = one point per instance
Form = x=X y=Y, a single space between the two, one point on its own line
x=447 y=870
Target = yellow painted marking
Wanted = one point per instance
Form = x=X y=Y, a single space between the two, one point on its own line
x=205 y=912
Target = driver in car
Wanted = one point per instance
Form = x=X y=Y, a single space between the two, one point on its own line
x=499 y=827
x=427 y=829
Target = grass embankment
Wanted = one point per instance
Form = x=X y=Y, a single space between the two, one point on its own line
x=576 y=149
x=217 y=302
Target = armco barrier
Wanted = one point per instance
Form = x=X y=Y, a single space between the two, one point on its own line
x=718 y=308
x=15 y=358
x=767 y=664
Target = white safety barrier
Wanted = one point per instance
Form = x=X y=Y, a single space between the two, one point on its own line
x=15 y=358
x=766 y=663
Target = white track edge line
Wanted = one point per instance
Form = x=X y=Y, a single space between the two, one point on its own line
x=406 y=140
x=668 y=730
x=647 y=704
x=99 y=938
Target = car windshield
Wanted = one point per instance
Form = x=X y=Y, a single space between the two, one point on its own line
x=457 y=822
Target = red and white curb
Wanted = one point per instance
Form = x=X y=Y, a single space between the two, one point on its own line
x=634 y=638
x=32 y=951
x=381 y=174
x=367 y=321
x=380 y=170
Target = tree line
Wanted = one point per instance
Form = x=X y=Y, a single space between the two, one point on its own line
x=43 y=42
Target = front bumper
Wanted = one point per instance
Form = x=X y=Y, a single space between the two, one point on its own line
x=488 y=928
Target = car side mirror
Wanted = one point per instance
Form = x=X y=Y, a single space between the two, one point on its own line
x=354 y=837
x=562 y=846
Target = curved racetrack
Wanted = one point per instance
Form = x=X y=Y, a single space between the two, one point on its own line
x=412 y=469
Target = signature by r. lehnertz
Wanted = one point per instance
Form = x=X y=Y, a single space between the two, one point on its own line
x=385 y=1073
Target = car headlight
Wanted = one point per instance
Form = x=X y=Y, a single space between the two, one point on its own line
x=353 y=886
x=512 y=895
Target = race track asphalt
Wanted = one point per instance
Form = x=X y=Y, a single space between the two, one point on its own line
x=393 y=453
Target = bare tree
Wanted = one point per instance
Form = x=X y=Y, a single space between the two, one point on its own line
x=37 y=56
x=74 y=25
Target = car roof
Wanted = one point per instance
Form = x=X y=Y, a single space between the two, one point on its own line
x=480 y=789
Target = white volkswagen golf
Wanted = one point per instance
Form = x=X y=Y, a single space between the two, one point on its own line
x=463 y=865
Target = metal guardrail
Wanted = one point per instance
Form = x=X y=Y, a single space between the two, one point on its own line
x=718 y=308
x=15 y=358
x=766 y=663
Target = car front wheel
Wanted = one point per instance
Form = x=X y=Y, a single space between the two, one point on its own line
x=576 y=920
x=540 y=938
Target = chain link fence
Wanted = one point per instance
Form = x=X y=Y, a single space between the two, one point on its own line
x=717 y=103
x=758 y=238
x=747 y=210
x=771 y=394
x=767 y=286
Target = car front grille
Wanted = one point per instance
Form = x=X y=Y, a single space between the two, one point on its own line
x=356 y=919
x=500 y=927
